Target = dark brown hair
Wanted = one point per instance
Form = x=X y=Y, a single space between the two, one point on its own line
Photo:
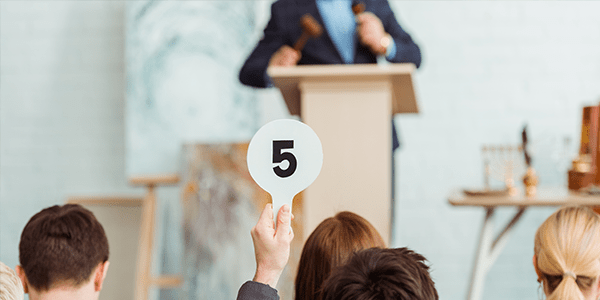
x=62 y=244
x=329 y=246
x=381 y=274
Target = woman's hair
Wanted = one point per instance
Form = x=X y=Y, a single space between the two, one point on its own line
x=10 y=284
x=329 y=246
x=567 y=251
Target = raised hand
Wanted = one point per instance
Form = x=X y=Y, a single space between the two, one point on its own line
x=271 y=247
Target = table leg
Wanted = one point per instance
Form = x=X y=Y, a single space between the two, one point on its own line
x=502 y=238
x=479 y=266
x=489 y=249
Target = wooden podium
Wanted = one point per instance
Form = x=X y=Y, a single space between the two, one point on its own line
x=350 y=107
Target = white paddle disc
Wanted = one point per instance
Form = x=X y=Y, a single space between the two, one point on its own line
x=284 y=157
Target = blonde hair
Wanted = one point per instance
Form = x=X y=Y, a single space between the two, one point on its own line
x=10 y=284
x=567 y=250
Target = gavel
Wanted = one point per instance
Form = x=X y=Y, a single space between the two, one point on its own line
x=358 y=7
x=310 y=28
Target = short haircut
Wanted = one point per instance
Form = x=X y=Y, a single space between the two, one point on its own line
x=329 y=246
x=62 y=245
x=381 y=274
x=10 y=284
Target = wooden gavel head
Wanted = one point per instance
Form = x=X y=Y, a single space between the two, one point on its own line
x=358 y=7
x=310 y=26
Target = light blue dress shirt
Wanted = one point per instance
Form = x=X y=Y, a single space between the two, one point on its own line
x=339 y=22
x=341 y=26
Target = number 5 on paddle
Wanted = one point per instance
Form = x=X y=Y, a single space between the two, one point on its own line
x=284 y=158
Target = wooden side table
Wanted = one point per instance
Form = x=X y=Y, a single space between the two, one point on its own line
x=490 y=247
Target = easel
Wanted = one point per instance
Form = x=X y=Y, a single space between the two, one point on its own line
x=144 y=280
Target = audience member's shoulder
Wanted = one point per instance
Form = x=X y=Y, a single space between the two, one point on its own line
x=252 y=290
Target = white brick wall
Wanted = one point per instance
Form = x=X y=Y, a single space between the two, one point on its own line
x=488 y=68
x=62 y=87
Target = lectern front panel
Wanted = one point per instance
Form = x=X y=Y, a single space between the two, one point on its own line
x=353 y=121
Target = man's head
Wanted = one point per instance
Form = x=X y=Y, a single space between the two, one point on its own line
x=62 y=246
x=381 y=274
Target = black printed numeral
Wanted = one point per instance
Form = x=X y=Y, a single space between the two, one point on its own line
x=279 y=156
